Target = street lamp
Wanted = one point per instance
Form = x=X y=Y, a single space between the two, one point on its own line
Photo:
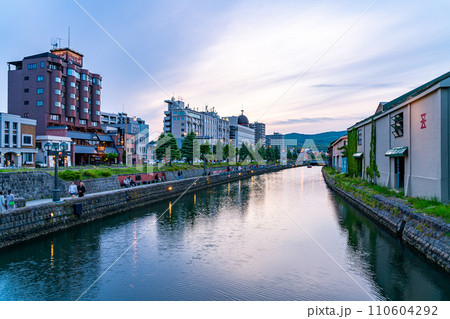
x=56 y=150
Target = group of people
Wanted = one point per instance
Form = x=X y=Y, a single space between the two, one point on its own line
x=180 y=175
x=7 y=201
x=77 y=190
x=129 y=182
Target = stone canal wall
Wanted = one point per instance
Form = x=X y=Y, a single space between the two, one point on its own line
x=30 y=222
x=428 y=235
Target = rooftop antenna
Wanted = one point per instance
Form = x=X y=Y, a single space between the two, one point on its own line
x=242 y=109
x=68 y=40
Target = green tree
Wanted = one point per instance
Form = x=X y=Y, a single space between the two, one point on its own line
x=166 y=146
x=111 y=157
x=226 y=151
x=187 y=147
x=205 y=149
x=244 y=152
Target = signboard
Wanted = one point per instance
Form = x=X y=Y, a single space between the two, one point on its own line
x=69 y=56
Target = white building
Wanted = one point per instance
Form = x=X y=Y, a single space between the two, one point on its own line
x=412 y=141
x=207 y=125
x=17 y=141
x=240 y=131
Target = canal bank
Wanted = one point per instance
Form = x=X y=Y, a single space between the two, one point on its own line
x=428 y=235
x=31 y=222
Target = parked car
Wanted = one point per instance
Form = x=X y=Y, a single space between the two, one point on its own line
x=40 y=164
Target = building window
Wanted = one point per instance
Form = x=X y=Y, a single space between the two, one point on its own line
x=28 y=158
x=39 y=103
x=14 y=126
x=6 y=139
x=72 y=72
x=94 y=123
x=360 y=137
x=57 y=91
x=86 y=89
x=14 y=139
x=26 y=114
x=57 y=104
x=26 y=78
x=26 y=102
x=40 y=78
x=42 y=64
x=54 y=117
x=97 y=92
x=57 y=79
x=72 y=95
x=26 y=90
x=86 y=110
x=86 y=99
x=97 y=102
x=72 y=84
x=32 y=66
x=397 y=125
x=72 y=107
x=82 y=122
x=27 y=139
x=63 y=106
x=39 y=91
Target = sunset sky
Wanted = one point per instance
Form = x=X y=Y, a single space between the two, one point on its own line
x=298 y=66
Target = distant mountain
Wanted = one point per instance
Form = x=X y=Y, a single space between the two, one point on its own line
x=322 y=140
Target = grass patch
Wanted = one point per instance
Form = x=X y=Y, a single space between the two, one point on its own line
x=364 y=190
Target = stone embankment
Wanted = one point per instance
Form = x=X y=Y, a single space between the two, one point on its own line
x=428 y=235
x=30 y=222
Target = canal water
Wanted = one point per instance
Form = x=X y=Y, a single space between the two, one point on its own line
x=279 y=236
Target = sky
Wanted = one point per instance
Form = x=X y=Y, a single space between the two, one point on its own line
x=298 y=66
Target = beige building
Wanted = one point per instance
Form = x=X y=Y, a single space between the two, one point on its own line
x=412 y=141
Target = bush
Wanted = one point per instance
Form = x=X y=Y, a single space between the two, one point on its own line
x=104 y=173
x=89 y=174
x=69 y=175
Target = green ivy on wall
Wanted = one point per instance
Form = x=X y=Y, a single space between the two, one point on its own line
x=372 y=169
x=354 y=165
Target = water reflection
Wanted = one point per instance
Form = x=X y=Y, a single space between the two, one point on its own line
x=398 y=270
x=230 y=242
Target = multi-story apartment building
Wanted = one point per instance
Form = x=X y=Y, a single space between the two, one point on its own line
x=207 y=125
x=260 y=132
x=17 y=141
x=54 y=89
x=133 y=135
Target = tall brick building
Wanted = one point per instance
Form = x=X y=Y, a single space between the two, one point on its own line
x=54 y=89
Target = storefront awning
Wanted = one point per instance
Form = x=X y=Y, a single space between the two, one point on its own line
x=397 y=151
x=358 y=155
x=84 y=149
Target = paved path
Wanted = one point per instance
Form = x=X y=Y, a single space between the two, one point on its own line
x=49 y=200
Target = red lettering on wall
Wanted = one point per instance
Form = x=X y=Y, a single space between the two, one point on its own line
x=423 y=121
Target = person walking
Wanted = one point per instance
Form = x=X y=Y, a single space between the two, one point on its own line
x=10 y=200
x=73 y=190
x=81 y=190
x=2 y=202
x=179 y=175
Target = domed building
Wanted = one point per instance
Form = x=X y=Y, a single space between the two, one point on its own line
x=240 y=130
x=243 y=120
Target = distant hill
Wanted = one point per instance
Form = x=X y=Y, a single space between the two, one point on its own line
x=322 y=140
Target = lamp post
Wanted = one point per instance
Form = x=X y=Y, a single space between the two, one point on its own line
x=56 y=150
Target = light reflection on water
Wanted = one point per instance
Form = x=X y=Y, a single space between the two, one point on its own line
x=236 y=241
